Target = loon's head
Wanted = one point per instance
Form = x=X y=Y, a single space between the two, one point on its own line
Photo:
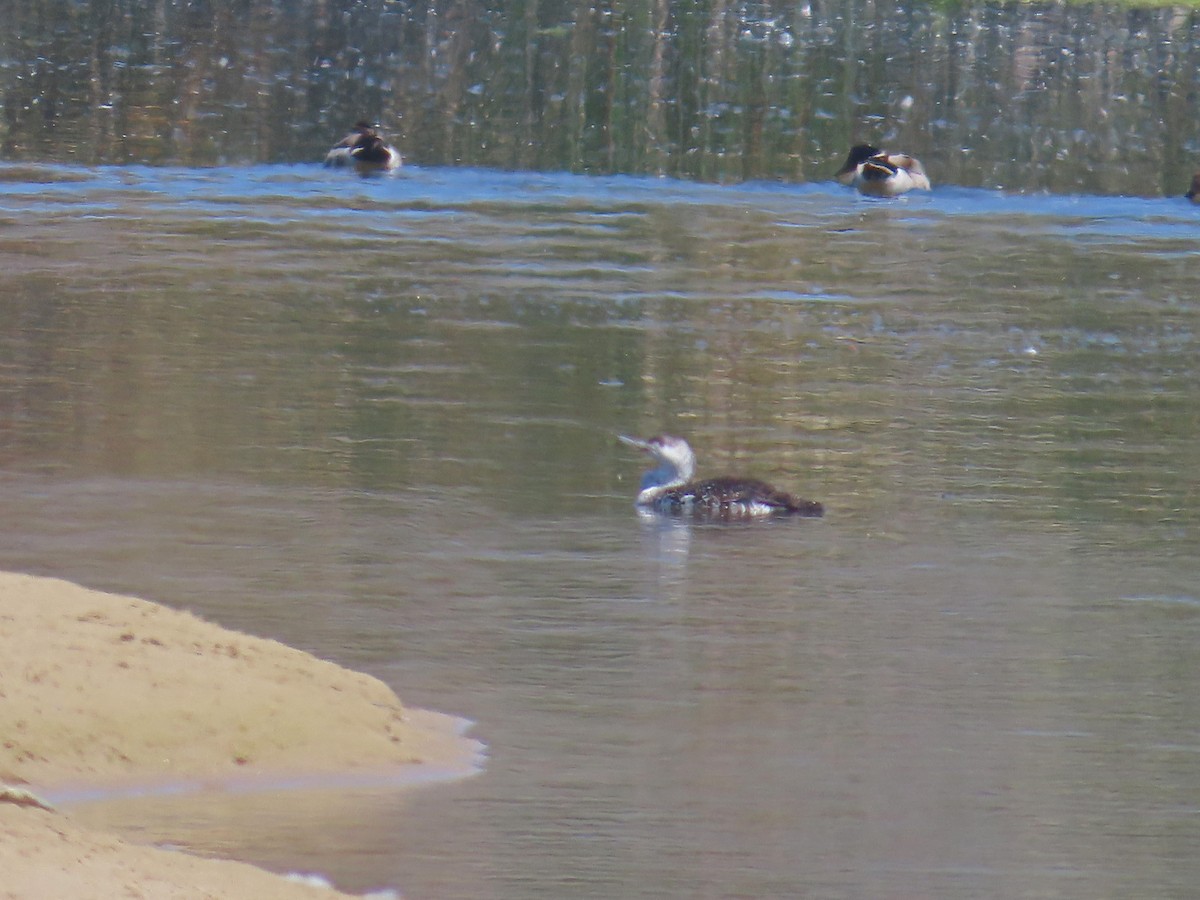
x=676 y=461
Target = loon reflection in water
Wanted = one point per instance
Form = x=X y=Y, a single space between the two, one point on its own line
x=669 y=488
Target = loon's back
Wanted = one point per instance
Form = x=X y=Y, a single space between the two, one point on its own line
x=733 y=498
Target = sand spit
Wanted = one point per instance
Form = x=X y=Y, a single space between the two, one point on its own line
x=104 y=691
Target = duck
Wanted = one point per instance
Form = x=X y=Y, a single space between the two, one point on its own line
x=365 y=150
x=670 y=488
x=1193 y=193
x=878 y=173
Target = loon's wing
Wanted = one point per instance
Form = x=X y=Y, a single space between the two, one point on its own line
x=736 y=497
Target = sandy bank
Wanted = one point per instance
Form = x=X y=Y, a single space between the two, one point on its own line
x=99 y=689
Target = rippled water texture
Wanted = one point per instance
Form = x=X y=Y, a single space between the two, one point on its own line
x=377 y=419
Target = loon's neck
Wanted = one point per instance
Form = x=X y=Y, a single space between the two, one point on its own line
x=658 y=481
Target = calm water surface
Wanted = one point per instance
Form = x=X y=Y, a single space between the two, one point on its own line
x=376 y=420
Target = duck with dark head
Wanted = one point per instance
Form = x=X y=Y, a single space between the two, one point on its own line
x=365 y=150
x=881 y=174
x=670 y=488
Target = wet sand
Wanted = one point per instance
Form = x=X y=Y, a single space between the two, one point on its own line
x=100 y=691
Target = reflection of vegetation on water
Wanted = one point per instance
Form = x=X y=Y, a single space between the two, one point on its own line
x=1066 y=98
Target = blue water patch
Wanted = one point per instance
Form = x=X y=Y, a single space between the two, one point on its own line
x=275 y=191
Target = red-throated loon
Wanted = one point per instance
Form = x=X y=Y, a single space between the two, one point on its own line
x=669 y=488
x=882 y=174
x=364 y=149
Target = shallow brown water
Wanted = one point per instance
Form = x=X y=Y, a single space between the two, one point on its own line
x=377 y=420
